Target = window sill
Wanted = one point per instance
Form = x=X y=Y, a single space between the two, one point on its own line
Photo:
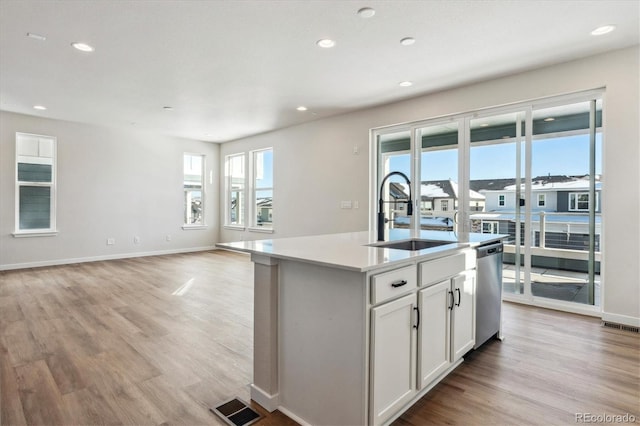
x=263 y=230
x=29 y=234
x=234 y=227
x=193 y=227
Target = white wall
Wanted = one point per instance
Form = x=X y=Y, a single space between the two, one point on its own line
x=315 y=167
x=111 y=183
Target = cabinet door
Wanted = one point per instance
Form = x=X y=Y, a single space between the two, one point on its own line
x=464 y=315
x=433 y=334
x=392 y=357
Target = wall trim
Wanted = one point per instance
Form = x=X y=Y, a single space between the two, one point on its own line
x=621 y=319
x=57 y=262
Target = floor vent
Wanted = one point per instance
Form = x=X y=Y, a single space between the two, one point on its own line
x=621 y=326
x=236 y=412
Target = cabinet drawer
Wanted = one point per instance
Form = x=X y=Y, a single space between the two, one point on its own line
x=393 y=283
x=434 y=271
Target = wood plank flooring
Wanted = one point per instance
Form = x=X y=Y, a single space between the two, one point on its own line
x=160 y=340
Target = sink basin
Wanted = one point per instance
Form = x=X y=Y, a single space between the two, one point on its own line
x=412 y=245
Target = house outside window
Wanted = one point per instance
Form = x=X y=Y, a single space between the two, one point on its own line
x=579 y=201
x=262 y=188
x=235 y=193
x=501 y=200
x=444 y=205
x=542 y=200
x=35 y=184
x=193 y=189
x=490 y=227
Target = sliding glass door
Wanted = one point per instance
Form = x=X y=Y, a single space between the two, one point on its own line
x=496 y=179
x=565 y=202
x=531 y=172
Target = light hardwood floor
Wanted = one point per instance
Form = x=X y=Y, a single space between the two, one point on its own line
x=160 y=340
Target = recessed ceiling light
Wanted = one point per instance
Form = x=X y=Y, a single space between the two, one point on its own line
x=36 y=36
x=405 y=83
x=39 y=107
x=484 y=125
x=302 y=108
x=407 y=41
x=549 y=119
x=605 y=29
x=326 y=43
x=167 y=108
x=83 y=47
x=366 y=12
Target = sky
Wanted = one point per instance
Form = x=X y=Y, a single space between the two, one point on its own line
x=555 y=156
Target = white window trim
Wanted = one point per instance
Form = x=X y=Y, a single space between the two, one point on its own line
x=543 y=199
x=495 y=226
x=576 y=209
x=203 y=187
x=502 y=200
x=252 y=211
x=227 y=193
x=44 y=232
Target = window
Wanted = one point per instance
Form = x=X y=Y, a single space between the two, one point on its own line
x=235 y=183
x=501 y=200
x=490 y=227
x=444 y=205
x=579 y=201
x=542 y=200
x=193 y=190
x=35 y=184
x=262 y=188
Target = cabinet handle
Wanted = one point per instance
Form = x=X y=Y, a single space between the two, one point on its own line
x=453 y=300
x=459 y=297
x=398 y=283
x=418 y=319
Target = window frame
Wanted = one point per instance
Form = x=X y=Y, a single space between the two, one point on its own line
x=541 y=200
x=52 y=229
x=494 y=226
x=241 y=220
x=502 y=200
x=252 y=211
x=203 y=196
x=574 y=196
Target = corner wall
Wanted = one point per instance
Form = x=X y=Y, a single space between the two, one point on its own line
x=111 y=183
x=315 y=167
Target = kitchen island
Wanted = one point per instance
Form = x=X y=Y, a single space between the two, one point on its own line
x=350 y=333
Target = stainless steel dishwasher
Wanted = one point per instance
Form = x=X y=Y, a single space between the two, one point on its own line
x=488 y=292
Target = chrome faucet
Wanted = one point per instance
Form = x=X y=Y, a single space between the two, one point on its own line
x=381 y=219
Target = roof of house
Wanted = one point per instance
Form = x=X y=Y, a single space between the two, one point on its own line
x=539 y=183
x=432 y=189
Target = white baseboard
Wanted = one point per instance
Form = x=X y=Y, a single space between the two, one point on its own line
x=621 y=319
x=57 y=262
x=293 y=417
x=265 y=400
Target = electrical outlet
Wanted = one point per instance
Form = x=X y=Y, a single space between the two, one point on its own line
x=168 y=237
x=356 y=204
x=345 y=204
x=136 y=240
x=111 y=241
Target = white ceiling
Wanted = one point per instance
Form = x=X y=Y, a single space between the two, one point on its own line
x=231 y=69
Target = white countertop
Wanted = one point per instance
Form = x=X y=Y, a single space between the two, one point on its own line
x=352 y=251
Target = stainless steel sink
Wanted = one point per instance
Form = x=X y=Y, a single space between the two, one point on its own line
x=412 y=245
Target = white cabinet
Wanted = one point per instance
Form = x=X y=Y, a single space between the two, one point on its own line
x=392 y=357
x=416 y=336
x=463 y=315
x=434 y=342
x=447 y=331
